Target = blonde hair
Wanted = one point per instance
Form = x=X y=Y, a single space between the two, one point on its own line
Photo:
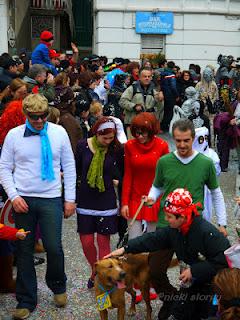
x=16 y=84
x=95 y=107
x=54 y=115
x=227 y=287
x=35 y=103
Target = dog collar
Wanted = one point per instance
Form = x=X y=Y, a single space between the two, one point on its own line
x=106 y=291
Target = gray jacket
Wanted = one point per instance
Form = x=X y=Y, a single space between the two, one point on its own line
x=134 y=95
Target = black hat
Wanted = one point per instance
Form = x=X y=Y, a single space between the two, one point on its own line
x=9 y=63
x=64 y=64
x=93 y=57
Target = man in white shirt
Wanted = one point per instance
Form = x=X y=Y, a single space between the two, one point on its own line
x=33 y=156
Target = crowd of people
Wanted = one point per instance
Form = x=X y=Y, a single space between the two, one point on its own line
x=83 y=135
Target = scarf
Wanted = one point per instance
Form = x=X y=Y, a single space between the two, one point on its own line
x=47 y=172
x=95 y=171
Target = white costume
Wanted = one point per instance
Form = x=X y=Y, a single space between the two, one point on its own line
x=200 y=144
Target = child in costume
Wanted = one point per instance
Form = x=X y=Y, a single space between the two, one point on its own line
x=201 y=144
x=9 y=233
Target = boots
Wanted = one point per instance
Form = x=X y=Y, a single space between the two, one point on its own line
x=7 y=284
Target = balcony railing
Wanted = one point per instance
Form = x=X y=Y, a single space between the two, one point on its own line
x=49 y=4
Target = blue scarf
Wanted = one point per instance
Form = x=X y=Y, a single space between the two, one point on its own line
x=47 y=172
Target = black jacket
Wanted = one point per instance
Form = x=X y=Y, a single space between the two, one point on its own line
x=202 y=247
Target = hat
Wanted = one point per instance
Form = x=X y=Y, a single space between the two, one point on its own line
x=93 y=57
x=53 y=54
x=179 y=202
x=35 y=103
x=46 y=36
x=121 y=136
x=9 y=63
x=64 y=64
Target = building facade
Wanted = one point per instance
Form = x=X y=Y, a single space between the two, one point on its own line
x=186 y=31
x=22 y=21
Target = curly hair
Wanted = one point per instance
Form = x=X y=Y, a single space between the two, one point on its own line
x=227 y=286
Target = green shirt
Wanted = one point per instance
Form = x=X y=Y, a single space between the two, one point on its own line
x=171 y=174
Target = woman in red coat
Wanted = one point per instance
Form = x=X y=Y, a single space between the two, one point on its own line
x=141 y=156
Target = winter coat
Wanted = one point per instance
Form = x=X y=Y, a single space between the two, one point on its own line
x=147 y=98
x=45 y=89
x=40 y=55
x=169 y=84
x=73 y=128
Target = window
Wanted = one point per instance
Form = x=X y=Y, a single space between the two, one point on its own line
x=152 y=43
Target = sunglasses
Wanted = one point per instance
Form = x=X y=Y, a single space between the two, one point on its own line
x=38 y=116
x=141 y=133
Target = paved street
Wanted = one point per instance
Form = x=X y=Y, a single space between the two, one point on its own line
x=81 y=300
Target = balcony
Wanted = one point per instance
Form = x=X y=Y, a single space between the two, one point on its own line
x=49 y=4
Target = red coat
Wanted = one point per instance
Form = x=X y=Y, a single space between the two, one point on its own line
x=7 y=233
x=139 y=171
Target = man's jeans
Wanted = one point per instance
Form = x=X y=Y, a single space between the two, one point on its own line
x=48 y=213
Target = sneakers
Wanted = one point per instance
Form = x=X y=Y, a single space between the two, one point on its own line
x=152 y=294
x=139 y=297
x=90 y=283
x=21 y=313
x=60 y=300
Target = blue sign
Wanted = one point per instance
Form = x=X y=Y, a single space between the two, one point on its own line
x=154 y=23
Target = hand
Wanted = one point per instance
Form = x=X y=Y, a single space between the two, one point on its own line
x=50 y=79
x=115 y=253
x=148 y=201
x=125 y=212
x=115 y=182
x=233 y=122
x=138 y=107
x=21 y=234
x=223 y=230
x=107 y=84
x=160 y=96
x=237 y=199
x=74 y=47
x=20 y=205
x=69 y=209
x=186 y=275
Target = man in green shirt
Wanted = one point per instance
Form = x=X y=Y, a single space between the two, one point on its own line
x=183 y=168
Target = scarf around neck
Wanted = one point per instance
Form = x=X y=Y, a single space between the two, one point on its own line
x=47 y=172
x=95 y=171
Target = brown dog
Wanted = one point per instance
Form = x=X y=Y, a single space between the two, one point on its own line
x=115 y=276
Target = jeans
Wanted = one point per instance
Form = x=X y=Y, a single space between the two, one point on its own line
x=48 y=214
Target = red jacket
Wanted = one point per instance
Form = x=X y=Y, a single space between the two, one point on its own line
x=7 y=233
x=139 y=170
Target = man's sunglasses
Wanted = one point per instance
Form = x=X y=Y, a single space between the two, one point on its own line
x=38 y=116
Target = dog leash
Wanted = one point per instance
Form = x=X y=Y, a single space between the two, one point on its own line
x=124 y=239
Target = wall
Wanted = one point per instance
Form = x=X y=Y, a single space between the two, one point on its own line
x=202 y=29
x=3 y=26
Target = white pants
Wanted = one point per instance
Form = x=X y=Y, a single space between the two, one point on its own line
x=136 y=229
